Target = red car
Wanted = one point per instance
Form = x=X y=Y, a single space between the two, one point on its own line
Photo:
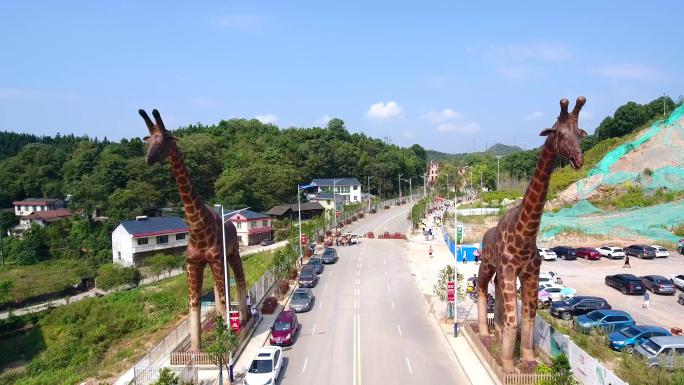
x=284 y=328
x=588 y=253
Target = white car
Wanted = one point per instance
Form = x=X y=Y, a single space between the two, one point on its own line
x=544 y=285
x=661 y=252
x=265 y=367
x=556 y=293
x=611 y=252
x=547 y=254
x=678 y=281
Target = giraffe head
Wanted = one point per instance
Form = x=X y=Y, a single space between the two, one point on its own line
x=159 y=140
x=565 y=135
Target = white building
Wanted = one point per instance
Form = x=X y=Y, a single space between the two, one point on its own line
x=252 y=227
x=31 y=205
x=346 y=189
x=132 y=241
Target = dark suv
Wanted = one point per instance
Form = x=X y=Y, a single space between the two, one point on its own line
x=641 y=251
x=577 y=305
x=308 y=277
x=626 y=283
x=329 y=255
x=565 y=252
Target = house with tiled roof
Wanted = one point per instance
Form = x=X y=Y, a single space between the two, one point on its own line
x=133 y=241
x=40 y=218
x=252 y=227
x=290 y=210
x=345 y=190
x=31 y=205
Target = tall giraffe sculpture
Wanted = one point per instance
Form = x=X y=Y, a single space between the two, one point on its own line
x=204 y=245
x=510 y=248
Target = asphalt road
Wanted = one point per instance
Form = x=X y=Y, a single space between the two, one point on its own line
x=370 y=323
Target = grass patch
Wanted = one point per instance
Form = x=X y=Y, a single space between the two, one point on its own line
x=100 y=337
x=498 y=196
x=49 y=277
x=634 y=196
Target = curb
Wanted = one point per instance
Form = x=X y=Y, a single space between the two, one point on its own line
x=451 y=349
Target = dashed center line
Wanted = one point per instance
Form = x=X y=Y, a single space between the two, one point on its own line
x=320 y=305
x=326 y=287
x=399 y=328
x=314 y=329
x=392 y=303
x=408 y=363
x=305 y=361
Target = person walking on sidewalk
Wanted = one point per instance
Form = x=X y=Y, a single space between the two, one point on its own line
x=626 y=262
x=646 y=300
x=430 y=251
x=476 y=254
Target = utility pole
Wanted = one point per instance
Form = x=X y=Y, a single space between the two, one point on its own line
x=498 y=157
x=455 y=270
x=410 y=189
x=399 y=178
x=424 y=184
x=369 y=194
x=663 y=104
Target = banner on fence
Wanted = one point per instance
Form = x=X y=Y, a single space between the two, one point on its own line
x=583 y=365
x=558 y=342
x=542 y=335
x=604 y=376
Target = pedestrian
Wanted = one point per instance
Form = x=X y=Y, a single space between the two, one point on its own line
x=430 y=251
x=430 y=233
x=476 y=254
x=626 y=262
x=646 y=300
x=255 y=313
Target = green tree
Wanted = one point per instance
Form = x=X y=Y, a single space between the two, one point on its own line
x=163 y=263
x=166 y=377
x=128 y=202
x=111 y=276
x=32 y=248
x=223 y=344
x=6 y=286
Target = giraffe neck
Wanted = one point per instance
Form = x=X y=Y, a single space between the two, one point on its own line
x=535 y=195
x=191 y=202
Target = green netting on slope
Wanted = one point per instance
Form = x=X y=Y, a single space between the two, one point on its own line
x=671 y=178
x=652 y=222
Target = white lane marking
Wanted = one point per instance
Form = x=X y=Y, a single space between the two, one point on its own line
x=326 y=287
x=320 y=305
x=408 y=363
x=388 y=288
x=314 y=329
x=399 y=328
x=305 y=361
x=385 y=273
x=358 y=272
x=392 y=303
x=384 y=261
x=331 y=273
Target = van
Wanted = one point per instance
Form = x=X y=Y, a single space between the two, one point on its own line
x=667 y=352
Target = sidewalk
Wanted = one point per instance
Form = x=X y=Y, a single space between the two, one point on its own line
x=426 y=271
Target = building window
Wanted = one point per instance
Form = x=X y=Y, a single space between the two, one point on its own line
x=34 y=208
x=238 y=225
x=265 y=223
x=344 y=189
x=327 y=202
x=252 y=224
x=355 y=188
x=162 y=239
x=180 y=236
x=354 y=198
x=119 y=254
x=142 y=241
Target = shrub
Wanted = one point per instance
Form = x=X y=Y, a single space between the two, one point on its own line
x=386 y=207
x=648 y=171
x=283 y=286
x=360 y=215
x=373 y=211
x=163 y=263
x=110 y=276
x=354 y=218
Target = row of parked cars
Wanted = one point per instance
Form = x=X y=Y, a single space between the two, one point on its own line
x=268 y=363
x=610 y=252
x=654 y=343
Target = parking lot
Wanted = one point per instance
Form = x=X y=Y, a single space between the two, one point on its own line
x=587 y=277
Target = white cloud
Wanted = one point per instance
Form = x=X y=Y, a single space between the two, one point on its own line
x=535 y=51
x=267 y=119
x=12 y=93
x=627 y=71
x=323 y=120
x=381 y=110
x=587 y=114
x=469 y=128
x=442 y=116
x=407 y=134
x=534 y=115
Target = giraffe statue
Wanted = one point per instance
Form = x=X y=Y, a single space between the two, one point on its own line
x=204 y=245
x=510 y=248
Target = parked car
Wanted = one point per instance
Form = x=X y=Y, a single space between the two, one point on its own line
x=317 y=264
x=665 y=351
x=308 y=276
x=555 y=293
x=641 y=251
x=627 y=338
x=266 y=366
x=660 y=251
x=611 y=252
x=302 y=300
x=547 y=254
x=658 y=284
x=678 y=281
x=626 y=283
x=284 y=328
x=680 y=299
x=329 y=255
x=266 y=242
x=607 y=320
x=588 y=253
x=565 y=252
x=577 y=305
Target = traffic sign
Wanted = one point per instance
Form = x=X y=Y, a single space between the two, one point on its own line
x=451 y=289
x=303 y=240
x=337 y=213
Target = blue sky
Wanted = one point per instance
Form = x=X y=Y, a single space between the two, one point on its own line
x=451 y=76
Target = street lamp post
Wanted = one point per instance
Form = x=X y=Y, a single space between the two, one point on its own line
x=369 y=194
x=399 y=178
x=335 y=202
x=410 y=189
x=455 y=270
x=225 y=263
x=424 y=176
x=497 y=172
x=299 y=212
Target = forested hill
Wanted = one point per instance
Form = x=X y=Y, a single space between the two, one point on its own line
x=235 y=162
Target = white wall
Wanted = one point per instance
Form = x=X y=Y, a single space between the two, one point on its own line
x=122 y=247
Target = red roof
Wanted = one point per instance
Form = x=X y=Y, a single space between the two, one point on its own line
x=160 y=232
x=35 y=201
x=49 y=216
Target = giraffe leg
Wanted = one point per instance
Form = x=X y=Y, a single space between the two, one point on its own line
x=529 y=288
x=507 y=277
x=219 y=284
x=498 y=306
x=485 y=273
x=195 y=278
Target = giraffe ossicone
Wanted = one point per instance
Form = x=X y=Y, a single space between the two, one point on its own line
x=509 y=250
